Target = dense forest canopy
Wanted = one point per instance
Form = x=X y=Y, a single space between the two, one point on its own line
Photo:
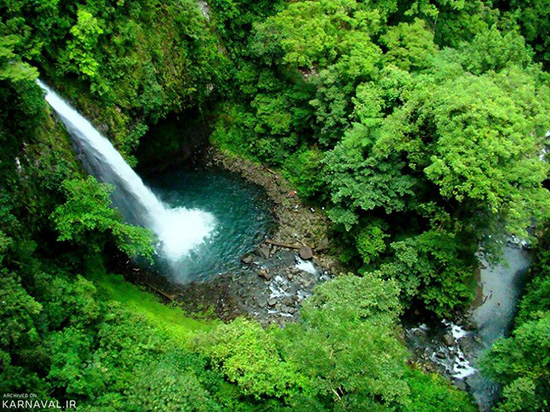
x=421 y=127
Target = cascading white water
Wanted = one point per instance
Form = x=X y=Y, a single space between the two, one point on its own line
x=179 y=230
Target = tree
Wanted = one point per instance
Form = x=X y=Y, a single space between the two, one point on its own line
x=82 y=48
x=171 y=384
x=432 y=267
x=433 y=393
x=11 y=66
x=533 y=17
x=346 y=344
x=489 y=132
x=409 y=46
x=521 y=363
x=87 y=217
x=248 y=356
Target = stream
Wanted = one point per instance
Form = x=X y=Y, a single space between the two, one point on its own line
x=455 y=350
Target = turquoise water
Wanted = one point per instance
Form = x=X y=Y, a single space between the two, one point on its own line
x=241 y=211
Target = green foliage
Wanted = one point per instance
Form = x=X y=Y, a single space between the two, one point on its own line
x=536 y=300
x=11 y=67
x=431 y=267
x=488 y=152
x=247 y=355
x=418 y=124
x=432 y=393
x=138 y=60
x=494 y=50
x=344 y=353
x=304 y=170
x=82 y=47
x=409 y=46
x=521 y=363
x=370 y=241
x=171 y=385
x=233 y=20
x=444 y=151
x=18 y=313
x=533 y=17
x=346 y=345
x=87 y=215
x=454 y=22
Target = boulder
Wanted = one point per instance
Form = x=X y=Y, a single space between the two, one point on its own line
x=264 y=252
x=449 y=340
x=247 y=258
x=323 y=245
x=305 y=252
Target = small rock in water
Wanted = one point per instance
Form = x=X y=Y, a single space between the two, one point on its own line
x=247 y=258
x=305 y=252
x=460 y=384
x=272 y=302
x=470 y=325
x=449 y=340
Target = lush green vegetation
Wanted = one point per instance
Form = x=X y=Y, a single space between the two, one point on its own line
x=418 y=124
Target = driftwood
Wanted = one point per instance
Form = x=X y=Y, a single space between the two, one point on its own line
x=285 y=245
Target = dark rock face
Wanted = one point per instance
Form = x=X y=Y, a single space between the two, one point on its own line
x=306 y=253
x=173 y=141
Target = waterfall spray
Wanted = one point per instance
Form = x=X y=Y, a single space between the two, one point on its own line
x=179 y=230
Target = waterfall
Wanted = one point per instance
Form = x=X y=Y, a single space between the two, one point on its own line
x=179 y=230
